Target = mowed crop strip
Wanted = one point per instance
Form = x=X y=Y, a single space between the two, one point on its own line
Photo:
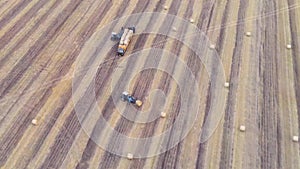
x=257 y=42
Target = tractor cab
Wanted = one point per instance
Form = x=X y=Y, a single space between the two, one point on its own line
x=117 y=36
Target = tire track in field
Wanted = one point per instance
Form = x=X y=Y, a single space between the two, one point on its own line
x=6 y=6
x=228 y=126
x=67 y=64
x=76 y=126
x=105 y=72
x=91 y=145
x=220 y=43
x=164 y=84
x=56 y=112
x=17 y=27
x=101 y=81
x=206 y=12
x=170 y=156
x=295 y=54
x=143 y=83
x=7 y=143
x=253 y=107
x=13 y=77
x=51 y=26
x=96 y=18
x=139 y=43
x=202 y=24
x=17 y=46
x=124 y=126
x=20 y=24
x=3 y=4
x=269 y=125
x=34 y=78
x=269 y=135
x=13 y=12
x=22 y=119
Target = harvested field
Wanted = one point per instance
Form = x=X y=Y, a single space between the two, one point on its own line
x=48 y=49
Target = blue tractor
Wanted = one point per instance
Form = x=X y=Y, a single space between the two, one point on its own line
x=130 y=99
